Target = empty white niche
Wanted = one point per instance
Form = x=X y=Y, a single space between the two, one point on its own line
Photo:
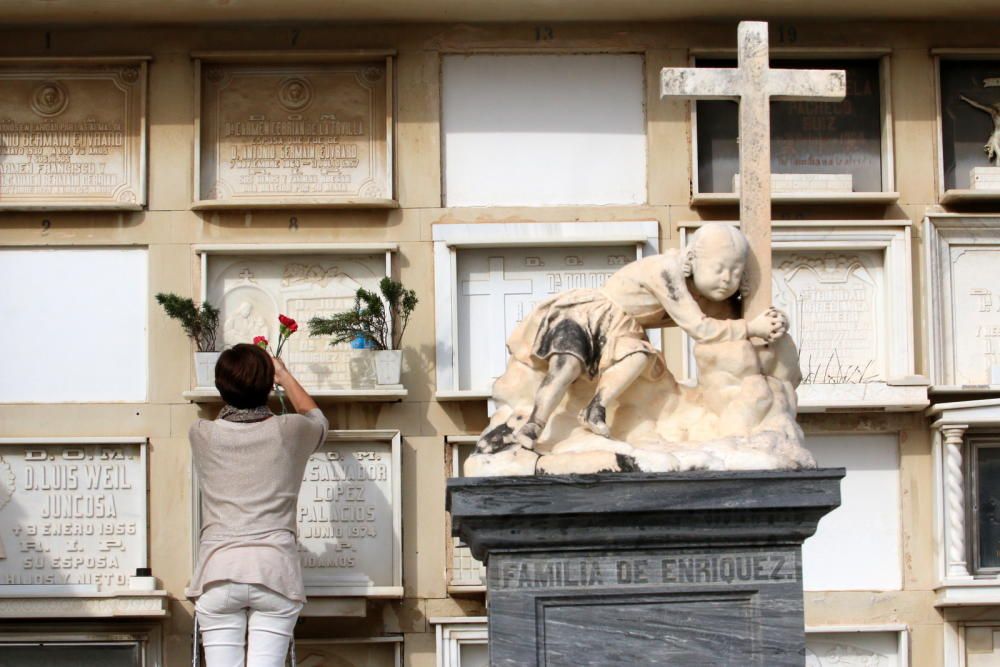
x=543 y=130
x=857 y=546
x=75 y=325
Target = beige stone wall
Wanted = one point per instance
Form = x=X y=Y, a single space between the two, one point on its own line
x=169 y=229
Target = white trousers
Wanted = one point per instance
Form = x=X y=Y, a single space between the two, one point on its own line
x=227 y=610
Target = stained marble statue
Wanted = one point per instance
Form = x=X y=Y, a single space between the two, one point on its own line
x=585 y=391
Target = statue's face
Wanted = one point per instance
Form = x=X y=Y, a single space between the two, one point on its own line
x=717 y=270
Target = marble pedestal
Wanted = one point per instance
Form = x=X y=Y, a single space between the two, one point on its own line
x=697 y=568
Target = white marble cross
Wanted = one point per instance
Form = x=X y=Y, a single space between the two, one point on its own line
x=754 y=84
x=497 y=287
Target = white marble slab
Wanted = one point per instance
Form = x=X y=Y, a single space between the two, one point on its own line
x=963 y=312
x=349 y=518
x=72 y=516
x=835 y=302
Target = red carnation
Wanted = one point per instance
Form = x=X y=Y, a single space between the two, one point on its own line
x=260 y=341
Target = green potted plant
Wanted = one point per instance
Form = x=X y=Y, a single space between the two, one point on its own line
x=201 y=325
x=377 y=323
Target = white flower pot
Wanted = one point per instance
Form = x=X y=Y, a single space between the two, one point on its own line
x=204 y=368
x=388 y=364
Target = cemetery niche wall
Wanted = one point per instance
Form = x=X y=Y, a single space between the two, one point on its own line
x=73 y=531
x=253 y=284
x=968 y=125
x=821 y=151
x=294 y=129
x=73 y=133
x=349 y=522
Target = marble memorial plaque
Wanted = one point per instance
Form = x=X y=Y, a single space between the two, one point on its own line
x=73 y=135
x=498 y=287
x=345 y=653
x=346 y=518
x=975 y=302
x=985 y=178
x=835 y=304
x=295 y=134
x=806 y=137
x=72 y=517
x=870 y=649
x=252 y=290
x=965 y=129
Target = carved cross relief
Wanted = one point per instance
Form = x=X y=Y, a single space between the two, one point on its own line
x=753 y=84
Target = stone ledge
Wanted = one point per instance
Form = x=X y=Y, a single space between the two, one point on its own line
x=143 y=604
x=631 y=510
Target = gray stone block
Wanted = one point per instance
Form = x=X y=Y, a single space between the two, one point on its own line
x=695 y=568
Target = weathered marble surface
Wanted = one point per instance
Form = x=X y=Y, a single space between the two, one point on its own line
x=584 y=390
x=690 y=568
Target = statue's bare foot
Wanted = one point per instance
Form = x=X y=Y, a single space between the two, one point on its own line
x=529 y=434
x=593 y=417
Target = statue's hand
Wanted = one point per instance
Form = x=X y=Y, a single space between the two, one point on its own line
x=770 y=325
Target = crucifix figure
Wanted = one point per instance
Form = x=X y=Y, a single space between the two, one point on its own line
x=754 y=84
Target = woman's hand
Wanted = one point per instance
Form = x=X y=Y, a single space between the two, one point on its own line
x=300 y=399
x=281 y=374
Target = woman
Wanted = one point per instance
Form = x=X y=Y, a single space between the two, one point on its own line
x=250 y=464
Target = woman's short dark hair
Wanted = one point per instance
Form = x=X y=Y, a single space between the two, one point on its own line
x=244 y=376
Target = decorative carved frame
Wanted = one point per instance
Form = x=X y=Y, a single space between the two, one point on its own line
x=204 y=251
x=138 y=171
x=297 y=57
x=887 y=195
x=449 y=239
x=941 y=231
x=901 y=391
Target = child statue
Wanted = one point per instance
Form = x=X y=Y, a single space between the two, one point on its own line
x=602 y=331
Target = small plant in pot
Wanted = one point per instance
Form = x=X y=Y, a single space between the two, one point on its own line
x=375 y=326
x=201 y=325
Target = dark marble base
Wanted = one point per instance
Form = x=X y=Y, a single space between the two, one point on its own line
x=644 y=569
